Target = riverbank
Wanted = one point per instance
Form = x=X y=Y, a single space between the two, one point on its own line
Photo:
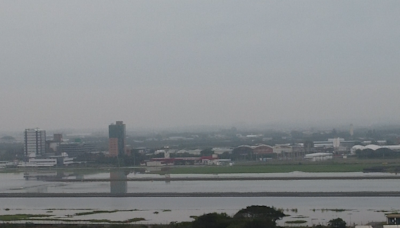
x=164 y=210
x=274 y=166
x=229 y=178
x=277 y=167
x=204 y=194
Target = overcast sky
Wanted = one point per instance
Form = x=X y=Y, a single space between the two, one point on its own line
x=85 y=64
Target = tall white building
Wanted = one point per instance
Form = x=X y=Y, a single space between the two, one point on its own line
x=35 y=142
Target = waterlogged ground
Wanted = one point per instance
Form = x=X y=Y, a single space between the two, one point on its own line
x=315 y=210
x=165 y=210
x=15 y=183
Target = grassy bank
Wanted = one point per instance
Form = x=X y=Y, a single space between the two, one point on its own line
x=271 y=168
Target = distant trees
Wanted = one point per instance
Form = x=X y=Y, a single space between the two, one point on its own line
x=256 y=211
x=225 y=155
x=11 y=151
x=242 y=153
x=296 y=134
x=373 y=134
x=207 y=152
x=212 y=220
x=179 y=155
x=250 y=217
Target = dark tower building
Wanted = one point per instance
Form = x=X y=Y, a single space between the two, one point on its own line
x=116 y=135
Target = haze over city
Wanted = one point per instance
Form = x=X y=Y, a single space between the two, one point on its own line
x=85 y=64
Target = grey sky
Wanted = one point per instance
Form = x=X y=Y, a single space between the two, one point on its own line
x=85 y=64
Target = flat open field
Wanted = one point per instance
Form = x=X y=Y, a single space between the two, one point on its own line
x=268 y=168
x=273 y=166
x=351 y=165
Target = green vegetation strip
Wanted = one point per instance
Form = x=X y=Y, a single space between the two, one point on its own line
x=296 y=222
x=97 y=212
x=271 y=168
x=334 y=209
x=94 y=220
x=18 y=217
x=300 y=216
x=40 y=217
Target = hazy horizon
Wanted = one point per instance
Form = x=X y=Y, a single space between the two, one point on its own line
x=157 y=65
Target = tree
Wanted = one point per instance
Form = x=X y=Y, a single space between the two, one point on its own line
x=259 y=212
x=253 y=223
x=337 y=223
x=296 y=134
x=250 y=217
x=207 y=152
x=212 y=220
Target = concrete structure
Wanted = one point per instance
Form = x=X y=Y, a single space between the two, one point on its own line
x=53 y=145
x=117 y=134
x=391 y=226
x=245 y=150
x=318 y=156
x=75 y=149
x=339 y=145
x=213 y=160
x=51 y=161
x=166 y=154
x=34 y=162
x=336 y=142
x=288 y=152
x=5 y=164
x=221 y=150
x=191 y=152
x=393 y=221
x=205 y=160
x=34 y=142
x=262 y=150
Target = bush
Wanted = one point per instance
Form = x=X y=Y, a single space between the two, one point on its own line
x=337 y=223
x=212 y=220
x=262 y=212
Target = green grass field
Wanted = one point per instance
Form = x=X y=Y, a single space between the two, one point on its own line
x=274 y=166
x=271 y=168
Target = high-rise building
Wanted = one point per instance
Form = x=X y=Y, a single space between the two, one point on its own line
x=116 y=135
x=35 y=142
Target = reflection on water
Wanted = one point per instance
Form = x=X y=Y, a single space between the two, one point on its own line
x=118 y=183
x=314 y=210
x=37 y=189
x=48 y=175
